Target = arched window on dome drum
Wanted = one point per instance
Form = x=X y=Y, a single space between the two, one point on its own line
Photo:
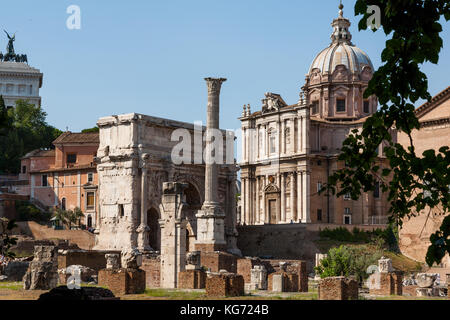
x=340 y=105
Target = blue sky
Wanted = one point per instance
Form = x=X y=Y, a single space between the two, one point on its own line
x=151 y=56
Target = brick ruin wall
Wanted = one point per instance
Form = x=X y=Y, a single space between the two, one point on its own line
x=151 y=264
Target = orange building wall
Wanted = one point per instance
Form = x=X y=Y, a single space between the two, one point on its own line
x=415 y=233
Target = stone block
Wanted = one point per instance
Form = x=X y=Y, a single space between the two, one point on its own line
x=192 y=279
x=385 y=265
x=427 y=292
x=122 y=281
x=86 y=274
x=42 y=273
x=278 y=282
x=425 y=280
x=388 y=284
x=283 y=282
x=410 y=291
x=258 y=279
x=224 y=285
x=112 y=261
x=338 y=288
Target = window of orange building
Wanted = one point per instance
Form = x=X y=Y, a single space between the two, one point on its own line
x=90 y=200
x=72 y=158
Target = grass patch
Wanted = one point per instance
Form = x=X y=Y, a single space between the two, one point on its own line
x=175 y=294
x=410 y=298
x=16 y=286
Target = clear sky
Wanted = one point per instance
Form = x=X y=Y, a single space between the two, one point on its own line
x=150 y=57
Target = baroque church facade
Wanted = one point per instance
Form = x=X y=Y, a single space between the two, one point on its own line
x=289 y=151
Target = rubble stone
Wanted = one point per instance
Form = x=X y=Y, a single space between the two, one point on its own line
x=112 y=261
x=86 y=274
x=131 y=259
x=42 y=273
x=425 y=280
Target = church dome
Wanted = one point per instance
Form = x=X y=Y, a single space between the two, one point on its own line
x=341 y=51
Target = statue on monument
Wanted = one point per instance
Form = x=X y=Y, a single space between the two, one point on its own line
x=10 y=54
x=10 y=47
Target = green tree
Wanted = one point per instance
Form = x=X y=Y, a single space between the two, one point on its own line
x=348 y=261
x=60 y=216
x=74 y=216
x=6 y=241
x=3 y=117
x=413 y=28
x=91 y=130
x=27 y=131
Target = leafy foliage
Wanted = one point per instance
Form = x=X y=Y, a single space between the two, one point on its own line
x=28 y=212
x=68 y=217
x=6 y=241
x=91 y=130
x=3 y=117
x=414 y=28
x=348 y=261
x=26 y=130
x=381 y=238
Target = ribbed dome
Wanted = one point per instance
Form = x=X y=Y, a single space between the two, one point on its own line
x=341 y=51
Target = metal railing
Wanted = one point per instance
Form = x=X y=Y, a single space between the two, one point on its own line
x=378 y=220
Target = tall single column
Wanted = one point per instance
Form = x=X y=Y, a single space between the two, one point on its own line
x=299 y=135
x=173 y=234
x=292 y=199
x=243 y=201
x=257 y=204
x=299 y=215
x=210 y=219
x=143 y=230
x=247 y=203
x=283 y=199
x=56 y=188
x=283 y=137
x=306 y=218
x=258 y=143
x=263 y=214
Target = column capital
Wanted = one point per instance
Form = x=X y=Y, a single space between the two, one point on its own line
x=214 y=84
